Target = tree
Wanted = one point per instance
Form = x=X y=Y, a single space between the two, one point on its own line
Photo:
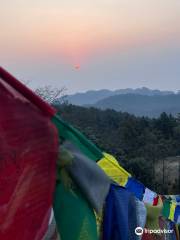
x=51 y=94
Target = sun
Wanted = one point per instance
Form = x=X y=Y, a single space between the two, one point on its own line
x=77 y=66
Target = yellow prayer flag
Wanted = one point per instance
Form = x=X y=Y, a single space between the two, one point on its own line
x=172 y=211
x=112 y=168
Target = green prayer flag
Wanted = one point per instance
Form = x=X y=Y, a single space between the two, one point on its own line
x=75 y=219
x=166 y=209
x=67 y=132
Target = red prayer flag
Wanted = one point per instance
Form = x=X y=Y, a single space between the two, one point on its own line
x=155 y=202
x=28 y=151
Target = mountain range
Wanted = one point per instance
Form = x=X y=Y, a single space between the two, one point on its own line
x=141 y=105
x=140 y=101
x=93 y=96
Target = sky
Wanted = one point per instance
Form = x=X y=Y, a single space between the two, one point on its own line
x=98 y=44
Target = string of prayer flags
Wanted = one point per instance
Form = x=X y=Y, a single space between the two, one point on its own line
x=27 y=175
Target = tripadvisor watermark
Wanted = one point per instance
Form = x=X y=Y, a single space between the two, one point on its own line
x=139 y=231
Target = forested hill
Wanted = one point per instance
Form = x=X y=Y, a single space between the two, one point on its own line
x=139 y=143
x=141 y=105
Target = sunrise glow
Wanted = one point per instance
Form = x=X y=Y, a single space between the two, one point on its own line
x=103 y=35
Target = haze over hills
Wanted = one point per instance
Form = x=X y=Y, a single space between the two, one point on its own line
x=140 y=102
x=142 y=105
x=91 y=97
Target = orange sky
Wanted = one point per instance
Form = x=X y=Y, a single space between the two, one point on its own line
x=75 y=29
x=78 y=31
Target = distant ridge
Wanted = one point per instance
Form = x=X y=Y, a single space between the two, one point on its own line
x=142 y=105
x=140 y=102
x=93 y=96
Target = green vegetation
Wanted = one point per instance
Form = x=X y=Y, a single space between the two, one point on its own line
x=139 y=143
